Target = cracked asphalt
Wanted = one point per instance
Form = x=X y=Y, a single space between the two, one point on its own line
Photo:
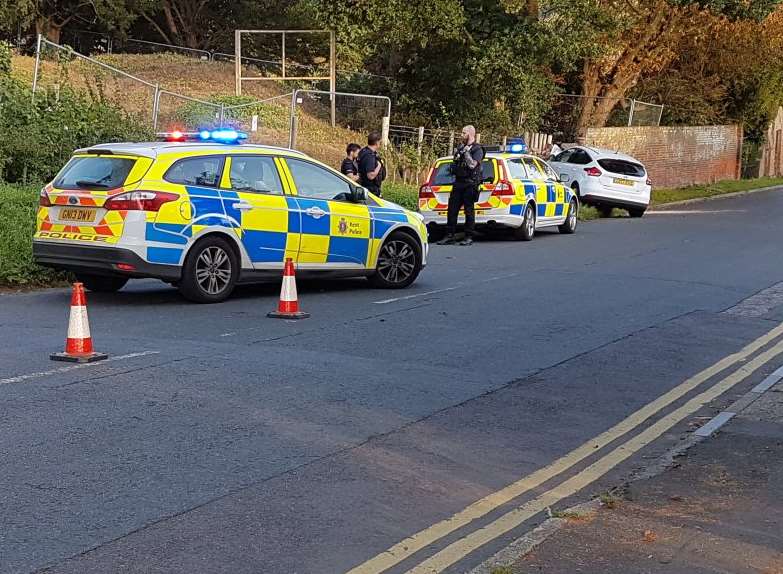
x=237 y=443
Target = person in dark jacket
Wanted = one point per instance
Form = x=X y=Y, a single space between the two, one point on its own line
x=466 y=168
x=350 y=166
x=371 y=169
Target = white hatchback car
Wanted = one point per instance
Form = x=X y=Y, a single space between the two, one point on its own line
x=605 y=179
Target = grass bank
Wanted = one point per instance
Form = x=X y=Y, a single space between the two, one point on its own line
x=663 y=196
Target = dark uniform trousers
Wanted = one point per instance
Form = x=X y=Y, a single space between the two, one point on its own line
x=463 y=194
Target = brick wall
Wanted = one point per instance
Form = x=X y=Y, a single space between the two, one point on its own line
x=677 y=156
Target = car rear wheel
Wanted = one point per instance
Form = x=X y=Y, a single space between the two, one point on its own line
x=102 y=283
x=527 y=230
x=210 y=271
x=569 y=225
x=636 y=211
x=399 y=262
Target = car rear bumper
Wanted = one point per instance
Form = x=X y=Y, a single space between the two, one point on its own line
x=99 y=260
x=505 y=220
x=595 y=192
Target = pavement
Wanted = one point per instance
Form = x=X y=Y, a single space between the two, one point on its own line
x=394 y=431
x=718 y=508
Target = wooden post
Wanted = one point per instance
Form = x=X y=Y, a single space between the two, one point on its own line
x=238 y=61
x=283 y=53
x=420 y=141
x=333 y=75
x=451 y=143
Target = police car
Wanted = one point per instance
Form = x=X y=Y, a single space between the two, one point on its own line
x=205 y=212
x=518 y=191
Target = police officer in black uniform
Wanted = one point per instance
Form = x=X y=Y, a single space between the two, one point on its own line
x=466 y=169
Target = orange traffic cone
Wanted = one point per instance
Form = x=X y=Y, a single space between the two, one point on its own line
x=78 y=345
x=288 y=308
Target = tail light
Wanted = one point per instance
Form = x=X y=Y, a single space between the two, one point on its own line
x=503 y=187
x=43 y=199
x=425 y=192
x=139 y=201
x=593 y=172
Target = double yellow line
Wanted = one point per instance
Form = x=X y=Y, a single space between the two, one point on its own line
x=461 y=548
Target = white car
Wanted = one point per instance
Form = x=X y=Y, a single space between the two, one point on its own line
x=605 y=179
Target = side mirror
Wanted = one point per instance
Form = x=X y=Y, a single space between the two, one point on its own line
x=358 y=194
x=565 y=177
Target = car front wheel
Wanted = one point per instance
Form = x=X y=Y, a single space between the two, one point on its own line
x=210 y=271
x=569 y=225
x=399 y=262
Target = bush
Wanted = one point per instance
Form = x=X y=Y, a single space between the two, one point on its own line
x=18 y=205
x=194 y=115
x=37 y=138
x=402 y=194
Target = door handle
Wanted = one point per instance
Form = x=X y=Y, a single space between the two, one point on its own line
x=242 y=206
x=315 y=212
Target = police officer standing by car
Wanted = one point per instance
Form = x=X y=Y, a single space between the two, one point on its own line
x=372 y=172
x=466 y=169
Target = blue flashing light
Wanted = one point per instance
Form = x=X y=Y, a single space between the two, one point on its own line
x=222 y=135
x=204 y=134
x=517 y=148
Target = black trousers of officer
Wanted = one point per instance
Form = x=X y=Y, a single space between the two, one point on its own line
x=463 y=194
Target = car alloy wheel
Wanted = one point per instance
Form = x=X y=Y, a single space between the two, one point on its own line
x=213 y=270
x=397 y=261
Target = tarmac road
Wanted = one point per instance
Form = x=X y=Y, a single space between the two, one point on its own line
x=218 y=440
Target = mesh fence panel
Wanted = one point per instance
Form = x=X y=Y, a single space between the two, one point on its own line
x=61 y=68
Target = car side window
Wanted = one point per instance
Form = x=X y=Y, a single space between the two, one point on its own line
x=580 y=157
x=255 y=173
x=315 y=182
x=548 y=171
x=516 y=169
x=203 y=171
x=565 y=156
x=533 y=169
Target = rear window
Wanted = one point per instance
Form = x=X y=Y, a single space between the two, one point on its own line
x=442 y=175
x=94 y=172
x=622 y=167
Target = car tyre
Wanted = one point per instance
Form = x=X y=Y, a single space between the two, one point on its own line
x=527 y=230
x=569 y=225
x=636 y=211
x=210 y=271
x=102 y=283
x=399 y=262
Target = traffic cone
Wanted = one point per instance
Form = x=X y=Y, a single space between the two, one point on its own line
x=288 y=307
x=78 y=345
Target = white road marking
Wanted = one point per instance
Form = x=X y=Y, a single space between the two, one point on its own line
x=20 y=378
x=436 y=291
x=416 y=295
x=694 y=211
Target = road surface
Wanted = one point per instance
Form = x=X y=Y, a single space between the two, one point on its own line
x=218 y=440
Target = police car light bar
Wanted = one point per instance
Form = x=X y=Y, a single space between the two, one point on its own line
x=224 y=135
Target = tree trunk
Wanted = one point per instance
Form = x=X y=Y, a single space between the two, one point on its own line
x=46 y=26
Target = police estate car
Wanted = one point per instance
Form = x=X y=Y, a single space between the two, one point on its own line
x=206 y=215
x=518 y=191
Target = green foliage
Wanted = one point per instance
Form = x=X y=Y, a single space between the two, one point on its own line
x=18 y=205
x=403 y=194
x=37 y=137
x=5 y=60
x=195 y=115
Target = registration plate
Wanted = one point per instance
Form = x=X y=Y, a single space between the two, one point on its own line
x=621 y=181
x=73 y=214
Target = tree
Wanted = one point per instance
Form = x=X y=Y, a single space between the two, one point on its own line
x=49 y=17
x=641 y=37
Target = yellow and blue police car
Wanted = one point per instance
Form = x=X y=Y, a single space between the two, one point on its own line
x=205 y=212
x=518 y=191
